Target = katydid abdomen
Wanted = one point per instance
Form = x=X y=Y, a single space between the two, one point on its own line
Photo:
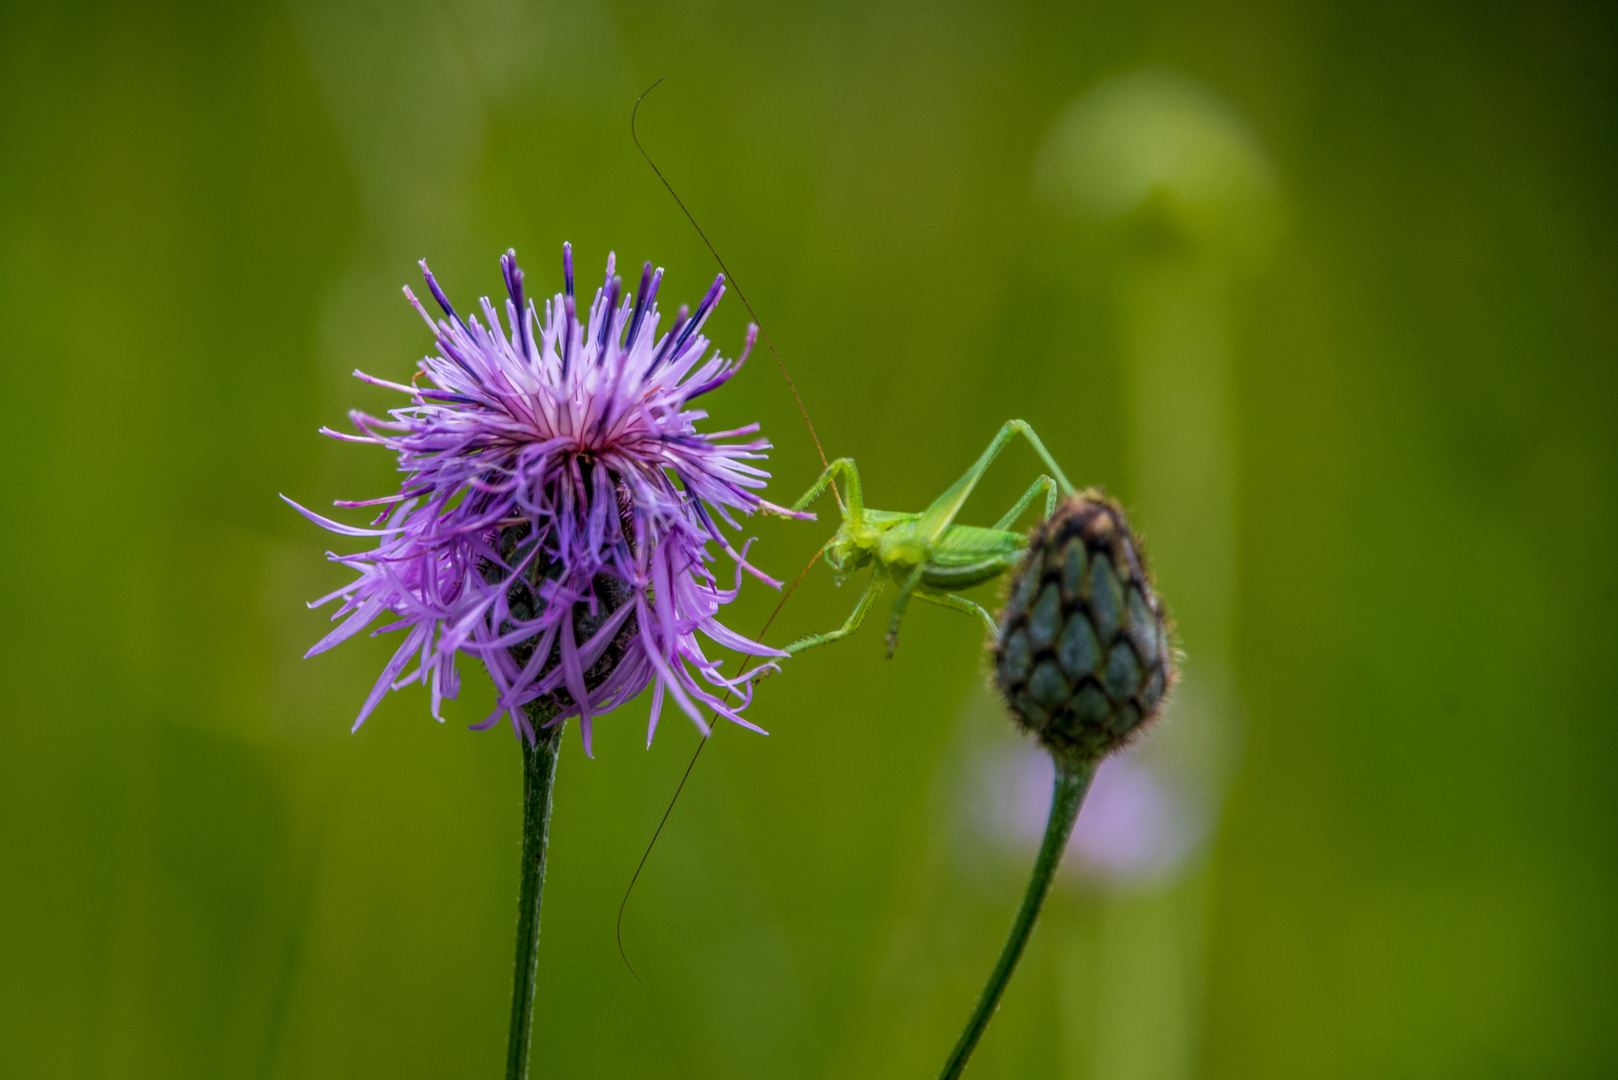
x=967 y=555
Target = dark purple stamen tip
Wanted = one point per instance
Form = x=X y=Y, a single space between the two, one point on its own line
x=570 y=318
x=708 y=301
x=513 y=275
x=567 y=269
x=615 y=293
x=680 y=318
x=712 y=297
x=644 y=300
x=438 y=294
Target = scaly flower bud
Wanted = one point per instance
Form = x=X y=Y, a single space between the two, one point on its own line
x=1083 y=654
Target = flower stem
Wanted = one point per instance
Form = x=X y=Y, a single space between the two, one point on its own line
x=538 y=777
x=1072 y=780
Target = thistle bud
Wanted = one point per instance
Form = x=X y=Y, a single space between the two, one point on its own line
x=540 y=574
x=524 y=595
x=1083 y=657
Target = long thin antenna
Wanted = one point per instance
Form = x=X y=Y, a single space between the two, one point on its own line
x=779 y=604
x=738 y=285
x=802 y=411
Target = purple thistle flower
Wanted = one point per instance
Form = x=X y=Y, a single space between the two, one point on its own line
x=556 y=510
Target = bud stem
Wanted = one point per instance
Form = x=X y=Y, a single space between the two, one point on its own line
x=538 y=777
x=1072 y=781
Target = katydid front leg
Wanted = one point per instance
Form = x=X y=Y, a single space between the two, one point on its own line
x=851 y=477
x=879 y=577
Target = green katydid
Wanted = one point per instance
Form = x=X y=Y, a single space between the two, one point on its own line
x=926 y=554
x=1082 y=703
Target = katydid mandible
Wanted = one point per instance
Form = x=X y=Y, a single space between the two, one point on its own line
x=927 y=555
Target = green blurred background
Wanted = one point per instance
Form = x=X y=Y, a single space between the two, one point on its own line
x=1325 y=293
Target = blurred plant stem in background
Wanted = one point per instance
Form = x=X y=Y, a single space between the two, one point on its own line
x=1162 y=160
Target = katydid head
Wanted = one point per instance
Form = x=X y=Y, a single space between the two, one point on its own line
x=858 y=542
x=846 y=556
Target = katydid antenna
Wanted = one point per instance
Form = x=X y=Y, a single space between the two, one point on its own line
x=802 y=411
x=785 y=596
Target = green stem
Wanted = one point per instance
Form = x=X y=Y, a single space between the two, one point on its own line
x=538 y=777
x=1072 y=780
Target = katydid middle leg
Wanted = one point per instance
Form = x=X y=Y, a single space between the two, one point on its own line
x=1015 y=512
x=901 y=602
x=959 y=603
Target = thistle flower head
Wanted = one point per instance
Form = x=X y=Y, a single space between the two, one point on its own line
x=556 y=510
x=1083 y=656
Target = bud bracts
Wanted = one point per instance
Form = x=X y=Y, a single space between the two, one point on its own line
x=1083 y=654
x=526 y=602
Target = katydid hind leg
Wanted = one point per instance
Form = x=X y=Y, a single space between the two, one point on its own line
x=961 y=604
x=1062 y=482
x=941 y=514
